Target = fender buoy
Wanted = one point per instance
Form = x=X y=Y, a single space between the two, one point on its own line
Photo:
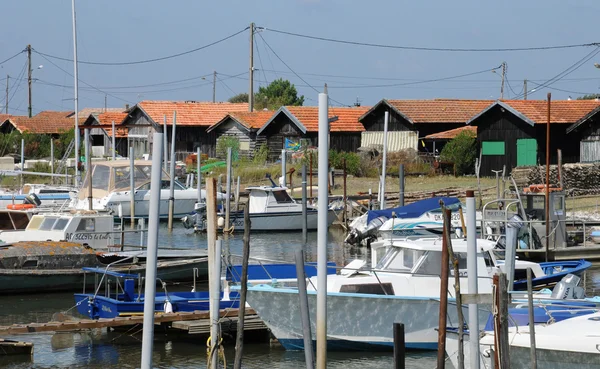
x=20 y=206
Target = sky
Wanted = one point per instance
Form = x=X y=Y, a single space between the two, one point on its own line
x=113 y=31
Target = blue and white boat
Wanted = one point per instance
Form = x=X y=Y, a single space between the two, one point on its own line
x=549 y=273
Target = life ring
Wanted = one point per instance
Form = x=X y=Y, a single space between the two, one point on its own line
x=20 y=206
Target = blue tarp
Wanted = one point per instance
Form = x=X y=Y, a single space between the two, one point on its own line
x=414 y=210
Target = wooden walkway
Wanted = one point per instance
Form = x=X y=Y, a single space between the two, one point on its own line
x=75 y=325
x=228 y=325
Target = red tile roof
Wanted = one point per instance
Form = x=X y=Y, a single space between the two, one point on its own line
x=440 y=110
x=561 y=111
x=450 y=134
x=4 y=117
x=189 y=113
x=50 y=122
x=109 y=117
x=252 y=120
x=347 y=118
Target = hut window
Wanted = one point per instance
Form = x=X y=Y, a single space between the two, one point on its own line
x=244 y=145
x=492 y=148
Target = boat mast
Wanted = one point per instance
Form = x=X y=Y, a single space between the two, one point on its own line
x=76 y=97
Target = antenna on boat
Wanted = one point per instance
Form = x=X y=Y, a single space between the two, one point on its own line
x=268 y=176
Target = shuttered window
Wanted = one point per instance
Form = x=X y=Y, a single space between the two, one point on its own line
x=492 y=148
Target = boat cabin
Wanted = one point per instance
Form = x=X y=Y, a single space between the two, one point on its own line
x=87 y=228
x=12 y=220
x=266 y=199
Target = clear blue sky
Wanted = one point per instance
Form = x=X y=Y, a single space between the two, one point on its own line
x=114 y=31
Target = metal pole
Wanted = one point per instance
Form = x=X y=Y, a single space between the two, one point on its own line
x=251 y=71
x=384 y=163
x=309 y=355
x=228 y=191
x=310 y=170
x=531 y=320
x=239 y=343
x=401 y=178
x=237 y=195
x=166 y=145
x=215 y=297
x=86 y=146
x=88 y=171
x=472 y=274
x=211 y=227
x=114 y=142
x=441 y=354
x=199 y=175
x=510 y=253
x=345 y=213
x=52 y=158
x=503 y=312
x=22 y=161
x=399 y=346
x=132 y=186
x=548 y=179
x=322 y=234
x=76 y=94
x=283 y=167
x=304 y=212
x=151 y=254
x=172 y=174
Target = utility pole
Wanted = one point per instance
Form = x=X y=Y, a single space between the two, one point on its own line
x=214 y=86
x=525 y=90
x=502 y=84
x=29 y=71
x=105 y=104
x=251 y=87
x=7 y=78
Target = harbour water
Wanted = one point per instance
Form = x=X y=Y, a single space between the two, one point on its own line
x=123 y=349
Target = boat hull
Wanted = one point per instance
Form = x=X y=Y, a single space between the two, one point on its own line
x=280 y=221
x=354 y=321
x=555 y=271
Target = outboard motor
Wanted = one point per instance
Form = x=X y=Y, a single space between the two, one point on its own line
x=32 y=199
x=568 y=288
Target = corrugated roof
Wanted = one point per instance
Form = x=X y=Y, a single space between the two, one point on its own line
x=50 y=122
x=190 y=113
x=347 y=118
x=450 y=134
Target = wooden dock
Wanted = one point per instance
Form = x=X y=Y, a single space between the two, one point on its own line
x=228 y=324
x=76 y=325
x=10 y=347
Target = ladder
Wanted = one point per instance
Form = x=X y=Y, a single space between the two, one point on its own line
x=63 y=162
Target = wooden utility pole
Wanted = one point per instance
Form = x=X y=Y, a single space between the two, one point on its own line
x=251 y=77
x=7 y=78
x=525 y=90
x=29 y=71
x=214 y=86
x=502 y=84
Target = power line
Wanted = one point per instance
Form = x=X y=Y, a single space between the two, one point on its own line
x=260 y=60
x=12 y=57
x=147 y=60
x=358 y=43
x=572 y=68
x=291 y=70
x=563 y=90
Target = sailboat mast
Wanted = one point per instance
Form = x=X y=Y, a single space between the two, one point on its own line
x=76 y=97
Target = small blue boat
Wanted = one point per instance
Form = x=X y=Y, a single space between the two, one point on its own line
x=125 y=301
x=553 y=272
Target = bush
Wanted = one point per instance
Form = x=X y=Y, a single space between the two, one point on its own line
x=261 y=156
x=224 y=142
x=462 y=151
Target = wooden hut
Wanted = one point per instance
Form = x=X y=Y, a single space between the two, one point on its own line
x=243 y=126
x=102 y=137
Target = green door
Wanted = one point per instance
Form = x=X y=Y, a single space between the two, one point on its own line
x=526 y=152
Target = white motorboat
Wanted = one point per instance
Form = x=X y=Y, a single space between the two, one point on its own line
x=85 y=227
x=111 y=190
x=403 y=287
x=271 y=209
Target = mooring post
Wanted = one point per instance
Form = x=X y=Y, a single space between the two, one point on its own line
x=166 y=145
x=304 y=210
x=345 y=214
x=310 y=169
x=199 y=174
x=322 y=233
x=88 y=170
x=533 y=353
x=304 y=311
x=384 y=161
x=52 y=159
x=237 y=195
x=399 y=346
x=283 y=167
x=472 y=278
x=503 y=312
x=441 y=354
x=23 y=161
x=228 y=191
x=401 y=178
x=132 y=186
x=152 y=253
x=114 y=140
x=457 y=292
x=172 y=174
x=239 y=342
x=211 y=229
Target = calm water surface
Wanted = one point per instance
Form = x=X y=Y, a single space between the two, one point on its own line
x=123 y=350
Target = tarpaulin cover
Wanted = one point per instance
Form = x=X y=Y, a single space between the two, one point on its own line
x=414 y=210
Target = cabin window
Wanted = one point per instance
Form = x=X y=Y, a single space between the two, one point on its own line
x=87 y=225
x=244 y=145
x=431 y=264
x=488 y=259
x=60 y=224
x=282 y=197
x=558 y=203
x=369 y=288
x=30 y=264
x=35 y=222
x=492 y=148
x=54 y=191
x=47 y=224
x=166 y=185
x=101 y=177
x=400 y=259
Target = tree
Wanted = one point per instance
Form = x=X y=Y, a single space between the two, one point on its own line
x=239 y=98
x=589 y=97
x=278 y=93
x=462 y=151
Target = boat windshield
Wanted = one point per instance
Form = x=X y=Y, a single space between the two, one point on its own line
x=432 y=263
x=399 y=259
x=454 y=207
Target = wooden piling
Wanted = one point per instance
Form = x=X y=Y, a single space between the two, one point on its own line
x=454 y=261
x=345 y=214
x=533 y=353
x=399 y=346
x=310 y=169
x=441 y=354
x=239 y=344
